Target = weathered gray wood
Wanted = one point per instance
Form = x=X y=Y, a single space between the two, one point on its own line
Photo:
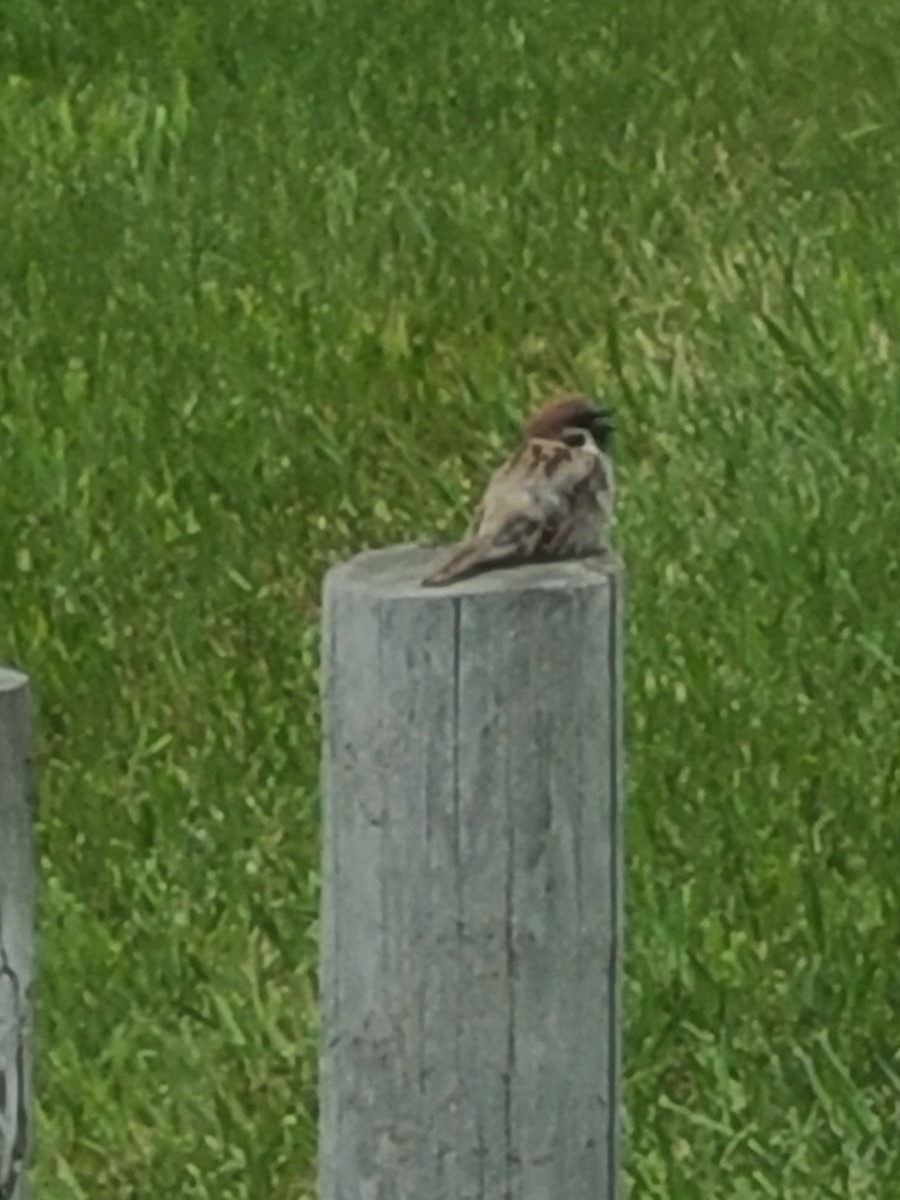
x=16 y=934
x=472 y=883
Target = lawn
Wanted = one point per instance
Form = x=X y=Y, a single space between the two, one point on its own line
x=277 y=281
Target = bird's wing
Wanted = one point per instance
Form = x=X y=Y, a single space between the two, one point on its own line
x=527 y=508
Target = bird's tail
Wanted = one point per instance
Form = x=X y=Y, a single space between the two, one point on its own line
x=467 y=559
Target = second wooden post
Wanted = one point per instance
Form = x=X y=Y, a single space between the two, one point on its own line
x=16 y=934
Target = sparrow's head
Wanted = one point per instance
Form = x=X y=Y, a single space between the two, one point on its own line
x=574 y=420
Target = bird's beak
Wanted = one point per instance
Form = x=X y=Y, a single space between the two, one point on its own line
x=602 y=426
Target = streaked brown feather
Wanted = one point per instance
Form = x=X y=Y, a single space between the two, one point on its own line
x=547 y=501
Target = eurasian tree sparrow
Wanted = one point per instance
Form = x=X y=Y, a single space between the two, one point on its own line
x=552 y=500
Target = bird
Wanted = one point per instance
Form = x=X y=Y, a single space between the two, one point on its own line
x=552 y=500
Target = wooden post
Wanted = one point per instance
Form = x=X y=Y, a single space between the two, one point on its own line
x=472 y=882
x=16 y=934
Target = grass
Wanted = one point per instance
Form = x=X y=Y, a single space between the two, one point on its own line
x=277 y=283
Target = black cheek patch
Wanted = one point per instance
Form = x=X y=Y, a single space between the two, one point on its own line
x=556 y=460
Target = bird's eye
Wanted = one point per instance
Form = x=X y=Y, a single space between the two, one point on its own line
x=574 y=437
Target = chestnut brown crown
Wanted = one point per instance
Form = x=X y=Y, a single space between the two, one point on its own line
x=566 y=413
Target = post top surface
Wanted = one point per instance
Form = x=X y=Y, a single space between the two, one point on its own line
x=10 y=680
x=399 y=570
